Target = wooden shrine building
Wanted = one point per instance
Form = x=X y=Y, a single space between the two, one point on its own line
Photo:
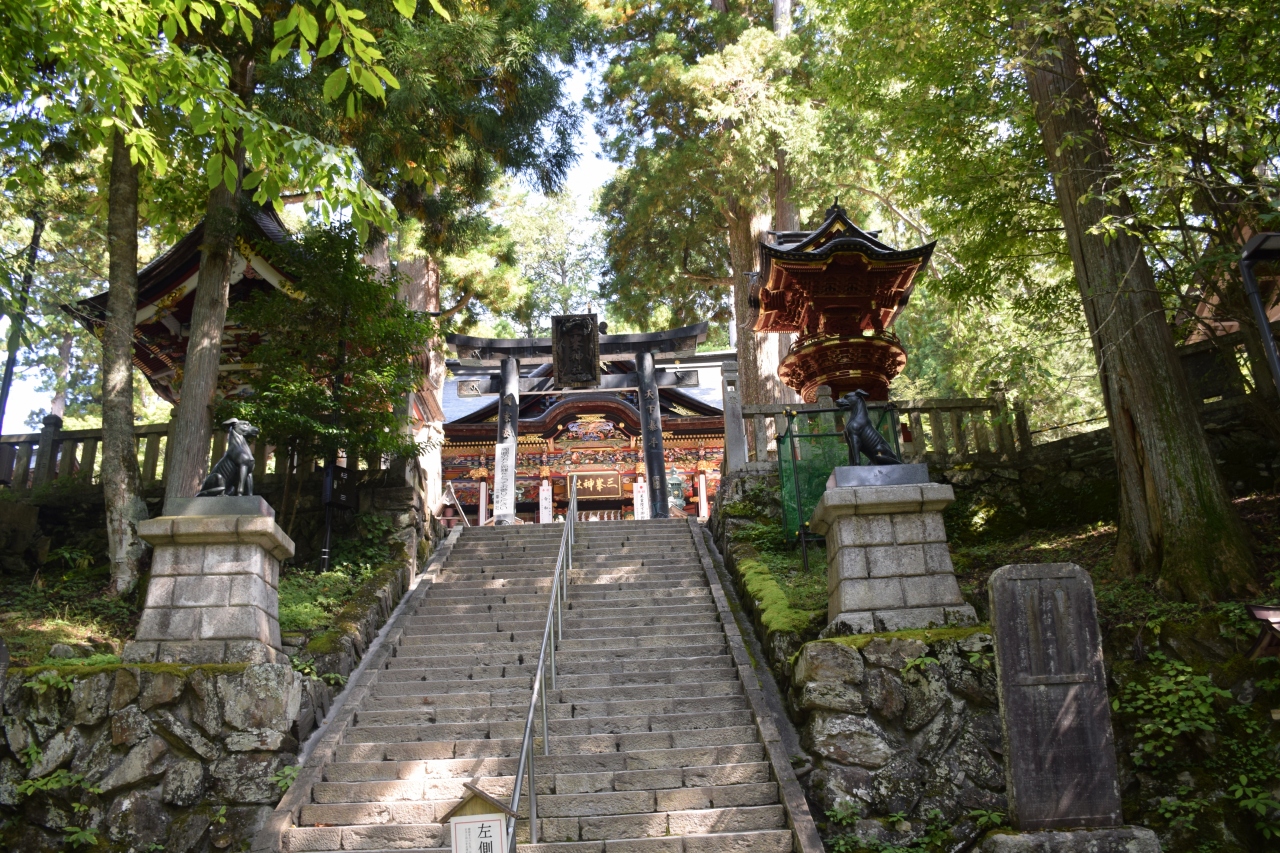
x=166 y=296
x=596 y=431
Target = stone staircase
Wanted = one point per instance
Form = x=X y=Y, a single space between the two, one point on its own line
x=655 y=747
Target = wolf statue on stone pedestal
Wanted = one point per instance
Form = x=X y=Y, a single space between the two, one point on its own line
x=861 y=435
x=233 y=475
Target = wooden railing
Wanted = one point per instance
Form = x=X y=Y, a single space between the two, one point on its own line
x=937 y=430
x=30 y=460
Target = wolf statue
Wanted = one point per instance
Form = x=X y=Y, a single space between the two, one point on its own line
x=861 y=435
x=233 y=475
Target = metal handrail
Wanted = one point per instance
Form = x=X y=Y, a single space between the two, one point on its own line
x=462 y=512
x=547 y=655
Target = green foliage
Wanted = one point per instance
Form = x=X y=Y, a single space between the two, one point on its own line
x=81 y=835
x=1181 y=813
x=337 y=357
x=1259 y=802
x=91 y=660
x=985 y=819
x=48 y=680
x=312 y=600
x=936 y=838
x=58 y=780
x=1172 y=702
x=918 y=663
x=285 y=777
x=31 y=754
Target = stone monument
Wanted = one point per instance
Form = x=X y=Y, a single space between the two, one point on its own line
x=215 y=575
x=1060 y=758
x=888 y=567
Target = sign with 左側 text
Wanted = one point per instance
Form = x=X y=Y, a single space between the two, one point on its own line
x=479 y=833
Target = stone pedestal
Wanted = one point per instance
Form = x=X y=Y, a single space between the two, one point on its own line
x=213 y=591
x=888 y=568
x=1119 y=839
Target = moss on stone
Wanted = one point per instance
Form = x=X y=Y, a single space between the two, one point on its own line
x=772 y=608
x=178 y=669
x=327 y=643
x=924 y=635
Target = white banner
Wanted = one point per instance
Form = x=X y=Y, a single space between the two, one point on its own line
x=504 y=481
x=640 y=496
x=546 y=513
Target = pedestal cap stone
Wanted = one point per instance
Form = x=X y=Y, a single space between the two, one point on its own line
x=1120 y=839
x=850 y=476
x=221 y=505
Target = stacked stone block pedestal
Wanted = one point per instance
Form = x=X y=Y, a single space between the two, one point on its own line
x=213 y=593
x=888 y=567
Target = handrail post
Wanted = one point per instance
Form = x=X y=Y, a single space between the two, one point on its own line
x=533 y=792
x=546 y=731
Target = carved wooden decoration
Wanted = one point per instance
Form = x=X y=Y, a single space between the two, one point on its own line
x=575 y=348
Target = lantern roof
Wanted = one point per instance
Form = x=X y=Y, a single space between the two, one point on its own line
x=835 y=280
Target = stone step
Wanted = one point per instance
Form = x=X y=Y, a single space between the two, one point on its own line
x=631 y=751
x=479 y=745
x=304 y=840
x=497 y=632
x=704 y=825
x=638 y=668
x=584 y=592
x=621 y=607
x=473 y=698
x=569 y=661
x=443 y=713
x=544 y=583
x=530 y=642
x=579 y=598
x=664 y=723
x=522 y=680
x=559 y=773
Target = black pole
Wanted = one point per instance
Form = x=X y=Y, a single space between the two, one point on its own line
x=655 y=463
x=328 y=527
x=1260 y=315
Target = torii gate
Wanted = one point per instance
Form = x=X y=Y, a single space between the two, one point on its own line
x=575 y=350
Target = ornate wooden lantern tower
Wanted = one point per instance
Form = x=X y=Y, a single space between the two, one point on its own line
x=840 y=289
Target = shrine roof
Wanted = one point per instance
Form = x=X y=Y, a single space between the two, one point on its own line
x=166 y=297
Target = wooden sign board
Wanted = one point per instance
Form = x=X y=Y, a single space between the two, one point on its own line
x=599 y=485
x=479 y=833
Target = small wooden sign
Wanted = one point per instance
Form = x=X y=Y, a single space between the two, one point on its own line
x=480 y=833
x=478 y=823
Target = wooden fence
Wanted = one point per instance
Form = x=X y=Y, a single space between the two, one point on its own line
x=934 y=430
x=36 y=459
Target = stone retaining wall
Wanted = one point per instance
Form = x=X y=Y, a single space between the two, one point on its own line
x=152 y=756
x=902 y=725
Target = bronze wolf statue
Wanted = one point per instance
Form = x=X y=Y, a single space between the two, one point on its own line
x=861 y=435
x=233 y=475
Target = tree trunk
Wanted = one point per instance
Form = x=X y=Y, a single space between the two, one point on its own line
x=121 y=482
x=59 y=405
x=193 y=429
x=17 y=318
x=1176 y=522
